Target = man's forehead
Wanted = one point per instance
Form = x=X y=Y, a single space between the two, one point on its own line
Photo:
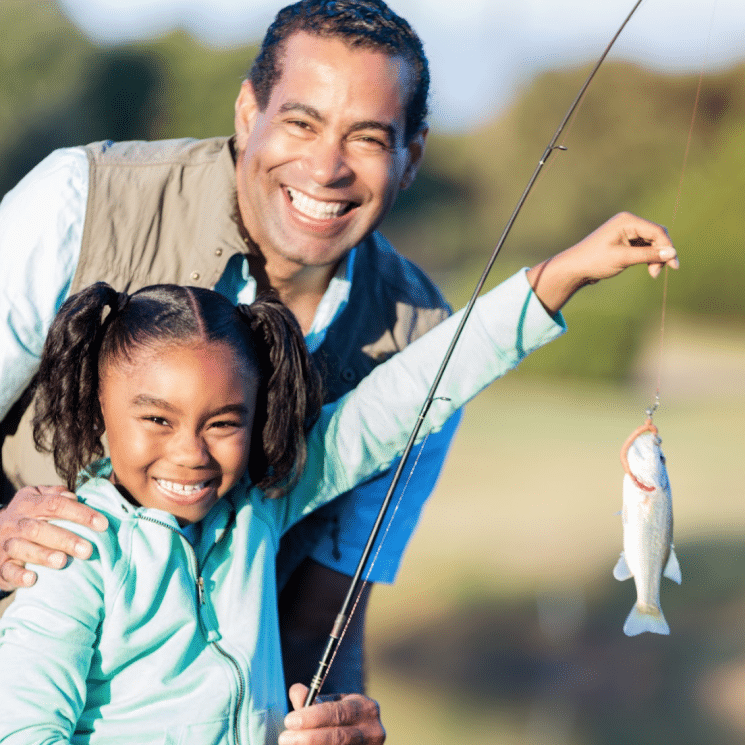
x=314 y=62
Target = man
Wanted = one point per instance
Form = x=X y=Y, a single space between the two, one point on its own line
x=330 y=125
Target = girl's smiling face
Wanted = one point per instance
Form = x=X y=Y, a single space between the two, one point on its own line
x=178 y=420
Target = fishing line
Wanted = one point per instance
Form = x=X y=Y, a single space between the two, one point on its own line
x=365 y=580
x=342 y=618
x=676 y=207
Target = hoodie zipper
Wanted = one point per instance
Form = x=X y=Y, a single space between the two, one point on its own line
x=202 y=599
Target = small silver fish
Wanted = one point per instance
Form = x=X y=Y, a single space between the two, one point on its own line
x=648 y=553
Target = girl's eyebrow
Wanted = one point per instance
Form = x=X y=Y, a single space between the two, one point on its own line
x=231 y=409
x=146 y=400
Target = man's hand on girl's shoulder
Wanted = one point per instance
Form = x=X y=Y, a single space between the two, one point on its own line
x=27 y=536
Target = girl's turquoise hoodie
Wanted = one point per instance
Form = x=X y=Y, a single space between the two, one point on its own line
x=168 y=636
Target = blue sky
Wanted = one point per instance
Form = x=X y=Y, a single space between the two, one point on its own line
x=480 y=50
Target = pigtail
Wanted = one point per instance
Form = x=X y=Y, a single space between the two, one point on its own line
x=67 y=419
x=289 y=398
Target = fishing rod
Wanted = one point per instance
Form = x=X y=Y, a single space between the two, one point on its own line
x=342 y=619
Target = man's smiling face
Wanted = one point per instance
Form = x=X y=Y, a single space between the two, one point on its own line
x=321 y=166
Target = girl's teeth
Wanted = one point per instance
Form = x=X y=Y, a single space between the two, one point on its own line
x=182 y=488
x=313 y=208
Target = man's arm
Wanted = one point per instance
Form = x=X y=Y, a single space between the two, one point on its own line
x=41 y=226
x=39 y=250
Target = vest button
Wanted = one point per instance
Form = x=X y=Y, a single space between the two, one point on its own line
x=218 y=252
x=347 y=374
x=195 y=276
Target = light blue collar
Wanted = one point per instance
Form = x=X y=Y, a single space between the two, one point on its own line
x=239 y=286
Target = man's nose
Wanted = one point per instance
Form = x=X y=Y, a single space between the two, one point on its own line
x=327 y=162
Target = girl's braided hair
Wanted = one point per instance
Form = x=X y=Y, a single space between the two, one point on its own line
x=99 y=326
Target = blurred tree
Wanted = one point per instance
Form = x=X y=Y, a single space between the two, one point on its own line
x=626 y=149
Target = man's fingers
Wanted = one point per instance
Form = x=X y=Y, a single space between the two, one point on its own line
x=297 y=694
x=27 y=536
x=56 y=503
x=40 y=542
x=13 y=576
x=353 y=710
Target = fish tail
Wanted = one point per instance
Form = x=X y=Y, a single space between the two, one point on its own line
x=645 y=618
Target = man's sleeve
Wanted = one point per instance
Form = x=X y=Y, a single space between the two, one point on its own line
x=41 y=227
x=352 y=516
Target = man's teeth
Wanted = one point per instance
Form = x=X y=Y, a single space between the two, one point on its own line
x=313 y=208
x=182 y=488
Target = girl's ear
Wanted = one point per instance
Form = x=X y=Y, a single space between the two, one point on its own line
x=246 y=111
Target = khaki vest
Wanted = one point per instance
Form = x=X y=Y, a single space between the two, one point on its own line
x=164 y=212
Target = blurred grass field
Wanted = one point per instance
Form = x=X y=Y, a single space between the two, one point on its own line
x=504 y=625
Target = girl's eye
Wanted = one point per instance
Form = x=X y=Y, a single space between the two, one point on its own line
x=226 y=424
x=159 y=420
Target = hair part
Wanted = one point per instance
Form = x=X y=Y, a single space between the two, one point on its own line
x=363 y=24
x=99 y=327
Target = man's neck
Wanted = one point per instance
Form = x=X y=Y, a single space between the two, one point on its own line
x=300 y=288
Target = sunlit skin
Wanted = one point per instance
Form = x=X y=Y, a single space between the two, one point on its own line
x=178 y=422
x=319 y=168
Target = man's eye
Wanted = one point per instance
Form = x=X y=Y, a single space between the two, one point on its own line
x=299 y=124
x=373 y=144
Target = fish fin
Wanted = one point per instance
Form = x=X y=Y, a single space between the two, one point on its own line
x=645 y=618
x=672 y=568
x=621 y=571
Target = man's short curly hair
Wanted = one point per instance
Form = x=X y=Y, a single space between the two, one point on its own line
x=366 y=24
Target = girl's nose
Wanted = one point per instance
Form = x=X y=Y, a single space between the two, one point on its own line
x=189 y=449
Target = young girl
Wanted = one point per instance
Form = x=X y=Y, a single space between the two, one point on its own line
x=169 y=633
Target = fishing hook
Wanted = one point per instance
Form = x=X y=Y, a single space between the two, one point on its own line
x=344 y=614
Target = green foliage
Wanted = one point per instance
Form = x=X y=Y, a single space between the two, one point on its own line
x=58 y=89
x=627 y=145
x=626 y=151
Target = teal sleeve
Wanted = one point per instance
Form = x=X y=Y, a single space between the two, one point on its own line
x=47 y=640
x=363 y=432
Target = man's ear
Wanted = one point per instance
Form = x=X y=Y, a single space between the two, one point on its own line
x=415 y=154
x=246 y=110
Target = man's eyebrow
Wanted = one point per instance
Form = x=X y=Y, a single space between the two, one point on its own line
x=290 y=106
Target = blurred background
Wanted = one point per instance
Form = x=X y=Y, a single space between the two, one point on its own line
x=505 y=623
